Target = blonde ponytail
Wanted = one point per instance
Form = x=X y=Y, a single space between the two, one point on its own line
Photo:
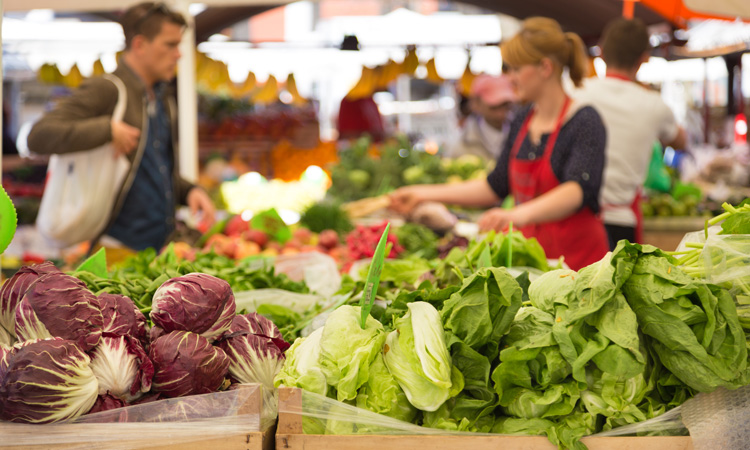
x=578 y=60
x=542 y=37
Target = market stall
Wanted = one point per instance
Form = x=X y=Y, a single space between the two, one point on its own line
x=313 y=316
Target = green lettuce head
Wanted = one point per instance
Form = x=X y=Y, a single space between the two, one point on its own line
x=347 y=351
x=483 y=310
x=302 y=368
x=556 y=286
x=382 y=394
x=615 y=397
x=417 y=356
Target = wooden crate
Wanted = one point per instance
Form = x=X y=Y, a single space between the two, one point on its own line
x=289 y=436
x=252 y=440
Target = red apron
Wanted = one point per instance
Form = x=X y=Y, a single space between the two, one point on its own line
x=635 y=205
x=580 y=237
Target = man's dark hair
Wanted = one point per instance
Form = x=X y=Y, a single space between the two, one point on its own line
x=624 y=41
x=146 y=19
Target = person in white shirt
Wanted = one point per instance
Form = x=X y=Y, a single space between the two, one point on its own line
x=484 y=131
x=635 y=118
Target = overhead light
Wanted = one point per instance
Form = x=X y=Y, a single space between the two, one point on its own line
x=350 y=43
x=218 y=37
x=196 y=8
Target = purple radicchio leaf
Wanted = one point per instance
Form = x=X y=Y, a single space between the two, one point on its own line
x=254 y=359
x=11 y=293
x=224 y=322
x=107 y=402
x=256 y=324
x=155 y=333
x=122 y=367
x=59 y=305
x=7 y=352
x=122 y=317
x=186 y=363
x=196 y=302
x=47 y=381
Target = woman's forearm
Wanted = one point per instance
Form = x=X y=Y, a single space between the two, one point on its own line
x=554 y=205
x=476 y=193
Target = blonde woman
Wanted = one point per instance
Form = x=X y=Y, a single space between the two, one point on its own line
x=553 y=159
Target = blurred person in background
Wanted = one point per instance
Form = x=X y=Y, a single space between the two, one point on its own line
x=9 y=141
x=144 y=215
x=635 y=118
x=484 y=131
x=359 y=117
x=552 y=161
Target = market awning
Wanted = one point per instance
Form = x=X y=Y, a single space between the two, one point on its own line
x=715 y=38
x=585 y=17
x=115 y=5
x=679 y=12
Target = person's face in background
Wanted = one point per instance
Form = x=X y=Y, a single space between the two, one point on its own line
x=529 y=80
x=495 y=115
x=160 y=55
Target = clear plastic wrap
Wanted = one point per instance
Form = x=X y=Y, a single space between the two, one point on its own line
x=299 y=303
x=323 y=415
x=723 y=259
x=726 y=258
x=163 y=422
x=694 y=237
x=320 y=272
x=718 y=421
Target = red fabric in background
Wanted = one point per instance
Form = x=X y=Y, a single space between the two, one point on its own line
x=358 y=117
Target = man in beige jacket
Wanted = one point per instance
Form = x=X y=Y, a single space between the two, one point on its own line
x=144 y=215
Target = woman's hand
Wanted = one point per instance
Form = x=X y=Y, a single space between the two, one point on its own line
x=405 y=199
x=499 y=219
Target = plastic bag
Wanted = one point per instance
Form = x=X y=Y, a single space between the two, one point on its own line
x=718 y=421
x=658 y=178
x=163 y=422
x=724 y=258
x=320 y=272
x=299 y=303
x=323 y=415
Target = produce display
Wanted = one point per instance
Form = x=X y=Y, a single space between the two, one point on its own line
x=226 y=118
x=240 y=239
x=567 y=355
x=367 y=171
x=140 y=276
x=68 y=351
x=325 y=228
x=685 y=199
x=484 y=335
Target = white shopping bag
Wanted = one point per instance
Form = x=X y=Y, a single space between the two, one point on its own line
x=82 y=188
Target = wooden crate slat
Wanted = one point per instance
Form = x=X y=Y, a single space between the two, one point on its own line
x=289 y=436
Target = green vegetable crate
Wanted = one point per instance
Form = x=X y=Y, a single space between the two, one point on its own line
x=251 y=440
x=289 y=436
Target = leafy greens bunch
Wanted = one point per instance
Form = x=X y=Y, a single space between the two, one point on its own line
x=570 y=354
x=141 y=275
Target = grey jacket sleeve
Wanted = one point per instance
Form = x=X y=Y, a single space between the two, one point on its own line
x=79 y=122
